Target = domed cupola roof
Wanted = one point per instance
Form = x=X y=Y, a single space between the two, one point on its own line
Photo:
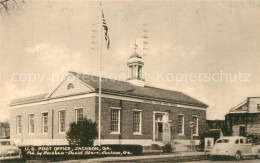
x=135 y=55
x=135 y=58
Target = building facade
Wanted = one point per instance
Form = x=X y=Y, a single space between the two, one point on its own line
x=244 y=118
x=4 y=130
x=131 y=112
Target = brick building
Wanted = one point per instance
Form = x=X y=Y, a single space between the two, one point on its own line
x=131 y=112
x=244 y=118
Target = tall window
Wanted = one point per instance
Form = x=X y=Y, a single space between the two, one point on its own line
x=181 y=124
x=115 y=120
x=79 y=114
x=31 y=123
x=258 y=107
x=44 y=122
x=62 y=119
x=196 y=124
x=19 y=124
x=137 y=127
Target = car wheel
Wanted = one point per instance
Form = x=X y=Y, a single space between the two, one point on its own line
x=257 y=156
x=238 y=155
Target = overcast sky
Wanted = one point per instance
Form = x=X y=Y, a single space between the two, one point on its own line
x=184 y=37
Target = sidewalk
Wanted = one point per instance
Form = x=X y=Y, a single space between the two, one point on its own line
x=145 y=157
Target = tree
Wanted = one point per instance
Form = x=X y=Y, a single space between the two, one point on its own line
x=82 y=133
x=6 y=5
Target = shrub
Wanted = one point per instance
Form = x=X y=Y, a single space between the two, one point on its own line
x=167 y=148
x=82 y=133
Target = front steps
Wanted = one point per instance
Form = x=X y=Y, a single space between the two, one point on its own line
x=158 y=147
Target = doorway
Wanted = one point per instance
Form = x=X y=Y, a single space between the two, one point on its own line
x=159 y=120
x=242 y=131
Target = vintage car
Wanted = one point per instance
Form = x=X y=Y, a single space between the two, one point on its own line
x=8 y=150
x=235 y=146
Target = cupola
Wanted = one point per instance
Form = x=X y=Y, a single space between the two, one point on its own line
x=135 y=69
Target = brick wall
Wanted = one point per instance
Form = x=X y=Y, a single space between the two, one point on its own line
x=88 y=105
x=147 y=119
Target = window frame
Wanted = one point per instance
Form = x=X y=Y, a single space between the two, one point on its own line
x=59 y=122
x=19 y=127
x=140 y=122
x=30 y=125
x=76 y=114
x=43 y=122
x=183 y=117
x=197 y=125
x=119 y=120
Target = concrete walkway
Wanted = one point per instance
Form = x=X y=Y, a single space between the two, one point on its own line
x=132 y=158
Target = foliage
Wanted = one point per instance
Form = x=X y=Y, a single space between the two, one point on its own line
x=167 y=148
x=82 y=133
x=6 y=5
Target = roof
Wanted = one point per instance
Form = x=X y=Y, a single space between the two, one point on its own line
x=29 y=99
x=135 y=55
x=240 y=108
x=232 y=137
x=127 y=89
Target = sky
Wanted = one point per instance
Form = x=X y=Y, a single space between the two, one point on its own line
x=47 y=38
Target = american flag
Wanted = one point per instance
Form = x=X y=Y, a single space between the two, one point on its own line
x=104 y=25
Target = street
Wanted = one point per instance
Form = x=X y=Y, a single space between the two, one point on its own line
x=188 y=161
x=217 y=161
x=195 y=159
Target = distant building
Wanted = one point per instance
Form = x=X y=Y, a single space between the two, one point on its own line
x=244 y=118
x=215 y=125
x=4 y=130
x=132 y=113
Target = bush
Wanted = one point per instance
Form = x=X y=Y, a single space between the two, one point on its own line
x=82 y=133
x=167 y=148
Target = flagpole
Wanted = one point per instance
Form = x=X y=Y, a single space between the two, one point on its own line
x=99 y=93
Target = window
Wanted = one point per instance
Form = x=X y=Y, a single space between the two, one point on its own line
x=248 y=140
x=196 y=125
x=137 y=127
x=181 y=124
x=258 y=107
x=70 y=86
x=62 y=119
x=79 y=114
x=31 y=124
x=19 y=124
x=44 y=122
x=115 y=121
x=241 y=141
x=237 y=141
x=223 y=141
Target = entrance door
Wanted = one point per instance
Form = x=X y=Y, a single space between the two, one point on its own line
x=158 y=126
x=158 y=131
x=242 y=131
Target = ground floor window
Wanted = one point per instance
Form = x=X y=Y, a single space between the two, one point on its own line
x=115 y=120
x=79 y=114
x=31 y=123
x=195 y=120
x=19 y=124
x=62 y=119
x=44 y=122
x=137 y=124
x=181 y=124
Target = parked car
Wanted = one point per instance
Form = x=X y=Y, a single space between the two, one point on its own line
x=235 y=146
x=8 y=150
